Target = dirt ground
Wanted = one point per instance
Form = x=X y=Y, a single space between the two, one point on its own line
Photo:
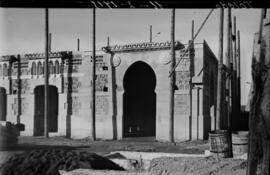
x=147 y=144
x=197 y=166
x=158 y=166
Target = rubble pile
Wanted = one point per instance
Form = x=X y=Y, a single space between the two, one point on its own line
x=49 y=162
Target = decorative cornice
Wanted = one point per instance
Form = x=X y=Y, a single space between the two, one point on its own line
x=9 y=58
x=142 y=47
x=34 y=56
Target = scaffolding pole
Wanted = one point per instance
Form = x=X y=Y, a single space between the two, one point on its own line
x=239 y=70
x=93 y=99
x=228 y=82
x=150 y=33
x=78 y=44
x=235 y=70
x=46 y=79
x=220 y=73
x=172 y=78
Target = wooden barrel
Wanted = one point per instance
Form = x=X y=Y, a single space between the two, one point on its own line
x=220 y=143
x=239 y=143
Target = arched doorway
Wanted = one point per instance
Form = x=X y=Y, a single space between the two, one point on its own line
x=139 y=101
x=39 y=110
x=3 y=104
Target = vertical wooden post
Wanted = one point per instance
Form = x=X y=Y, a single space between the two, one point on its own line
x=228 y=83
x=198 y=110
x=220 y=72
x=78 y=44
x=10 y=74
x=192 y=30
x=50 y=42
x=235 y=56
x=232 y=95
x=19 y=90
x=239 y=71
x=46 y=79
x=172 y=80
x=191 y=71
x=263 y=15
x=233 y=78
x=108 y=41
x=150 y=33
x=93 y=99
x=191 y=57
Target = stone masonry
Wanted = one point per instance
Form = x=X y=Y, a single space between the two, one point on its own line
x=121 y=110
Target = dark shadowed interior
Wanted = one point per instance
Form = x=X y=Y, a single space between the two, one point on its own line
x=3 y=104
x=139 y=101
x=39 y=110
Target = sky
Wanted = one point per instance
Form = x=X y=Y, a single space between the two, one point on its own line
x=22 y=30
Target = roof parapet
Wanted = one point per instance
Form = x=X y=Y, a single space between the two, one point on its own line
x=33 y=56
x=142 y=47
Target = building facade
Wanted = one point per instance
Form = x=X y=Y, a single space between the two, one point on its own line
x=132 y=92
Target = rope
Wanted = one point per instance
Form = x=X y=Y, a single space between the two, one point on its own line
x=171 y=72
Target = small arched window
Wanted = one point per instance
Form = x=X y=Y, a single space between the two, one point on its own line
x=5 y=70
x=1 y=70
x=39 y=68
x=51 y=71
x=34 y=69
x=56 y=67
